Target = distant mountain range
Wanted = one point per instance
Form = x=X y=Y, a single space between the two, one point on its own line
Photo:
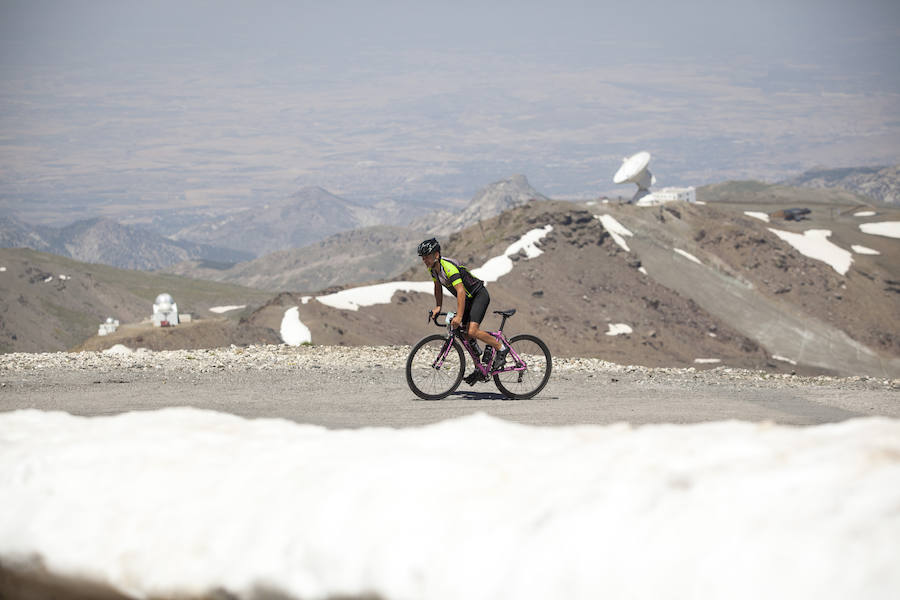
x=362 y=255
x=312 y=214
x=108 y=242
x=209 y=247
x=216 y=246
x=308 y=216
x=879 y=184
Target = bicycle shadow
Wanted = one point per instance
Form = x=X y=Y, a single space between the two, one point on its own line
x=467 y=395
x=481 y=397
x=473 y=395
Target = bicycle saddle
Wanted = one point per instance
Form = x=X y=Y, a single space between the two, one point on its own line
x=506 y=313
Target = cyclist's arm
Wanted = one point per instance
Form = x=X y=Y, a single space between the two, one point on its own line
x=460 y=299
x=438 y=298
x=438 y=294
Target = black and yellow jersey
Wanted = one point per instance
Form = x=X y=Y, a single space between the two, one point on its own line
x=449 y=272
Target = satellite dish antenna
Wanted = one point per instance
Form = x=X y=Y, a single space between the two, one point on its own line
x=634 y=170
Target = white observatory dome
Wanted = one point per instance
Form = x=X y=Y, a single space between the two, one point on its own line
x=164 y=302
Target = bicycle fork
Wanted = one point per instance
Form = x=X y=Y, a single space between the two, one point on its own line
x=439 y=361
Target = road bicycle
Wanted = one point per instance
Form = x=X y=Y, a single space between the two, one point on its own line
x=435 y=365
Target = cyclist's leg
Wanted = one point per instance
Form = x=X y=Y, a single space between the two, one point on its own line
x=475 y=375
x=482 y=335
x=476 y=308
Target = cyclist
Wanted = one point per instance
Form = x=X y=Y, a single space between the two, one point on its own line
x=472 y=299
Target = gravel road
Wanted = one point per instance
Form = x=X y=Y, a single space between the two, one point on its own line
x=348 y=387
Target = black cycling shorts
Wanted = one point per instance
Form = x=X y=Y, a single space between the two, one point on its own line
x=476 y=306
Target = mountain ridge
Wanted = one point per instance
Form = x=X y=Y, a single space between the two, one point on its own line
x=105 y=241
x=879 y=184
x=488 y=202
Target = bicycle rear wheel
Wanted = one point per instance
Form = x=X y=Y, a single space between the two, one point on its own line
x=535 y=357
x=428 y=380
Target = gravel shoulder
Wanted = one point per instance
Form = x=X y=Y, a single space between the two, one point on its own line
x=351 y=387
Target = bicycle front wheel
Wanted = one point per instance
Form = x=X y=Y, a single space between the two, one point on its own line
x=533 y=361
x=429 y=376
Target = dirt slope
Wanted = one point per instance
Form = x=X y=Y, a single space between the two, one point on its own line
x=207 y=333
x=51 y=303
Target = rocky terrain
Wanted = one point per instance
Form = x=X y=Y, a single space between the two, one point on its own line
x=343 y=359
x=267 y=357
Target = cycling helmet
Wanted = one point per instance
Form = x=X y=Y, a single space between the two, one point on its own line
x=429 y=246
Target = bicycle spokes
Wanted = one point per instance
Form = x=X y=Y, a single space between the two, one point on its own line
x=434 y=367
x=530 y=370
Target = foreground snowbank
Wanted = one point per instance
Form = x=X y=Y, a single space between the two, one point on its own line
x=181 y=502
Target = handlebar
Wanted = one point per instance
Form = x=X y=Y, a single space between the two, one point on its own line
x=433 y=318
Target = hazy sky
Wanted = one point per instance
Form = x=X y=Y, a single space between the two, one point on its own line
x=109 y=103
x=859 y=35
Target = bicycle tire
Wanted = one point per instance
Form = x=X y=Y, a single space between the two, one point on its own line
x=423 y=379
x=521 y=385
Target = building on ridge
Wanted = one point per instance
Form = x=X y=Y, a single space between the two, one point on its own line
x=165 y=311
x=669 y=194
x=108 y=327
